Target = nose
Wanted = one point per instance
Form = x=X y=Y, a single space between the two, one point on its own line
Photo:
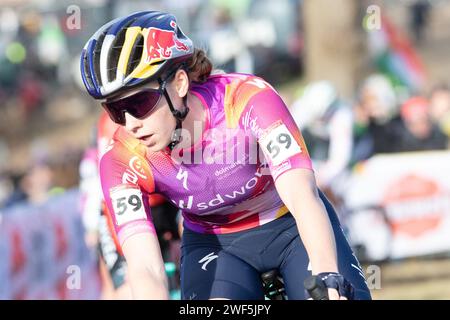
x=132 y=124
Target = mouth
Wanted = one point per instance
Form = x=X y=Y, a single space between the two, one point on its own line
x=145 y=139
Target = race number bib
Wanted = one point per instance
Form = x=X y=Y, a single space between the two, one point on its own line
x=279 y=145
x=128 y=205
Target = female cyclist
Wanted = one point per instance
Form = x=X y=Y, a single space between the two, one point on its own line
x=191 y=136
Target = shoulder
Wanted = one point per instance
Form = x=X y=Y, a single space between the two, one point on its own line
x=125 y=162
x=106 y=129
x=119 y=149
x=242 y=86
x=241 y=92
x=235 y=84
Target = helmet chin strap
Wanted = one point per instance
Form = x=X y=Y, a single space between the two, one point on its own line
x=179 y=116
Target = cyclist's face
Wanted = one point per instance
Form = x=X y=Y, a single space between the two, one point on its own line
x=155 y=129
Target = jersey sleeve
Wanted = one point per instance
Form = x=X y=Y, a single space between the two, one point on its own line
x=127 y=185
x=259 y=108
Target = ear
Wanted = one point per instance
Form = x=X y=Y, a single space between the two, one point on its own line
x=181 y=82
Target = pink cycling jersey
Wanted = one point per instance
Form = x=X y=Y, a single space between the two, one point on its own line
x=215 y=194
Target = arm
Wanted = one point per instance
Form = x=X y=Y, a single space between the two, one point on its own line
x=126 y=195
x=146 y=271
x=312 y=219
x=291 y=168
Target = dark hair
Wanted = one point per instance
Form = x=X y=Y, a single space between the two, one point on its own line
x=199 y=66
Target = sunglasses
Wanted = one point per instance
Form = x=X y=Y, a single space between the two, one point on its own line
x=139 y=105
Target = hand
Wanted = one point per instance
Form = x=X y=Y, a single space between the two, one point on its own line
x=338 y=287
x=328 y=286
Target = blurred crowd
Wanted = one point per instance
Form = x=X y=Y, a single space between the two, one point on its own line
x=395 y=109
x=340 y=134
x=40 y=92
x=38 y=95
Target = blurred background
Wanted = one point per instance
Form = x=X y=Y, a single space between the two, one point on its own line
x=366 y=81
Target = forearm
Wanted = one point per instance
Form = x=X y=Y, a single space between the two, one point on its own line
x=146 y=285
x=146 y=273
x=316 y=232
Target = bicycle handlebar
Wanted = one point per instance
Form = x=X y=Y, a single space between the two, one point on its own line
x=316 y=288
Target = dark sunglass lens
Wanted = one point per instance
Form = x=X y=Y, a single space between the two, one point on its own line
x=138 y=105
x=143 y=103
x=115 y=111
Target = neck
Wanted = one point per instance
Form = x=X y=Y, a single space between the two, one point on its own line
x=195 y=119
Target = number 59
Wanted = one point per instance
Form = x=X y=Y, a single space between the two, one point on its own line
x=274 y=147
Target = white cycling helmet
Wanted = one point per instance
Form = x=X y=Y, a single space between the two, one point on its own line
x=316 y=100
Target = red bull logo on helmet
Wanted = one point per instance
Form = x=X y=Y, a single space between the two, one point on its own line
x=161 y=42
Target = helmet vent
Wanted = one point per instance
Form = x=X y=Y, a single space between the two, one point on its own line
x=136 y=54
x=86 y=71
x=157 y=62
x=116 y=49
x=114 y=55
x=96 y=57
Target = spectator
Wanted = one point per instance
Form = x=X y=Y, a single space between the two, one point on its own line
x=374 y=110
x=37 y=183
x=418 y=131
x=227 y=48
x=326 y=124
x=440 y=107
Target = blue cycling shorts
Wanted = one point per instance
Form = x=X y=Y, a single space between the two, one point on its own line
x=229 y=265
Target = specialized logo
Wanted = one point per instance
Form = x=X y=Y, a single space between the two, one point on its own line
x=193 y=296
x=207 y=259
x=360 y=271
x=183 y=175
